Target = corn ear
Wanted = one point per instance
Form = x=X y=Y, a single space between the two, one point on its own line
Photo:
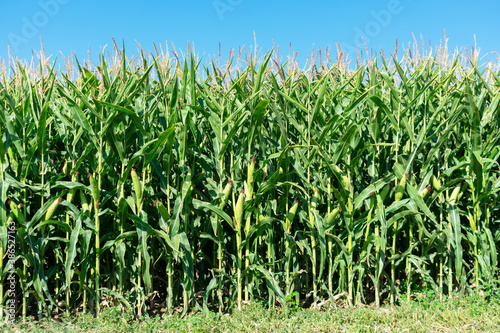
x=454 y=195
x=314 y=206
x=238 y=211
x=332 y=216
x=137 y=186
x=227 y=192
x=65 y=168
x=251 y=168
x=246 y=189
x=16 y=212
x=400 y=190
x=52 y=209
x=85 y=203
x=425 y=191
x=94 y=188
x=291 y=214
x=436 y=183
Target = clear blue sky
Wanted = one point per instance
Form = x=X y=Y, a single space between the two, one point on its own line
x=72 y=25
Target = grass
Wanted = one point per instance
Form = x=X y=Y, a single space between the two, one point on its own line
x=466 y=314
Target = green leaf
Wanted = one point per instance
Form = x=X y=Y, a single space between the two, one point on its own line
x=198 y=204
x=457 y=240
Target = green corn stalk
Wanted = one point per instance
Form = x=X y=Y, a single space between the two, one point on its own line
x=238 y=218
x=138 y=204
x=165 y=215
x=329 y=220
x=380 y=118
x=398 y=195
x=288 y=228
x=248 y=185
x=227 y=192
x=437 y=186
x=96 y=195
x=455 y=235
x=69 y=198
x=313 y=208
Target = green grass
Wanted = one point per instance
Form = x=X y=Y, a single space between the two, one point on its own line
x=467 y=314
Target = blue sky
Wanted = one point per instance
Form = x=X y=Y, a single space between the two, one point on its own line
x=72 y=25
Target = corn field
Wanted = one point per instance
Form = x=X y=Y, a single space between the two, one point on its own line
x=180 y=183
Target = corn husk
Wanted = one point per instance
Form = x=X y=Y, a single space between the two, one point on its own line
x=425 y=191
x=238 y=211
x=16 y=211
x=251 y=168
x=314 y=206
x=400 y=190
x=84 y=202
x=436 y=183
x=137 y=185
x=454 y=195
x=227 y=192
x=52 y=209
x=72 y=192
x=65 y=168
x=94 y=188
x=291 y=214
x=332 y=216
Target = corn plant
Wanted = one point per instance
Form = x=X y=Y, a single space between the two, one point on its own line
x=211 y=185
